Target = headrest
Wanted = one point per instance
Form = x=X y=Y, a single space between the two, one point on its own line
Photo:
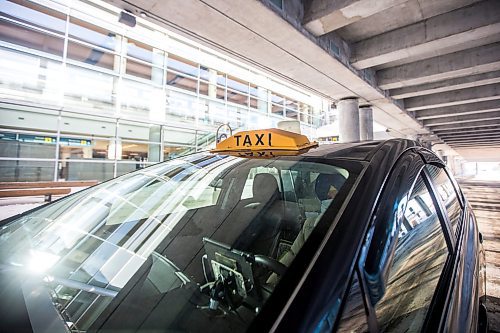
x=324 y=181
x=264 y=185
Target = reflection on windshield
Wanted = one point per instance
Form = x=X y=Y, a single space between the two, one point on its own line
x=198 y=240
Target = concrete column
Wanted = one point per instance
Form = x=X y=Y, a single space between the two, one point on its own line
x=262 y=102
x=158 y=59
x=348 y=120
x=87 y=152
x=115 y=149
x=119 y=64
x=305 y=113
x=154 y=150
x=211 y=107
x=212 y=83
x=365 y=123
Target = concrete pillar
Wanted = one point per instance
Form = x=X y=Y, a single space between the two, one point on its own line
x=212 y=83
x=365 y=123
x=158 y=58
x=154 y=150
x=262 y=102
x=119 y=64
x=211 y=107
x=305 y=113
x=87 y=152
x=115 y=149
x=348 y=120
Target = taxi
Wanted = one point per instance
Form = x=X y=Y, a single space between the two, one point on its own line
x=266 y=232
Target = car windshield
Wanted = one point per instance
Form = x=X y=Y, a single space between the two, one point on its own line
x=193 y=244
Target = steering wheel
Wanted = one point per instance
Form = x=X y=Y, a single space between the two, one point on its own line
x=272 y=264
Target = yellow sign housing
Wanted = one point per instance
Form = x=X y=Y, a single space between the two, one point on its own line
x=264 y=143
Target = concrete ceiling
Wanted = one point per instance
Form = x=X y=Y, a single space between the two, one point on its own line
x=429 y=68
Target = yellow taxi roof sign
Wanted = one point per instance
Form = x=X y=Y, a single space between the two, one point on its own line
x=264 y=143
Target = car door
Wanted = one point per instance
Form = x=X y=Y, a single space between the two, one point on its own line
x=406 y=262
x=467 y=283
x=465 y=306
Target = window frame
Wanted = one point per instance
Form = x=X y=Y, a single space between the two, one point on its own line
x=442 y=211
x=395 y=192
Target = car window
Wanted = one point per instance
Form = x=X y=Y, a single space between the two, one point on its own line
x=247 y=192
x=447 y=193
x=353 y=318
x=418 y=262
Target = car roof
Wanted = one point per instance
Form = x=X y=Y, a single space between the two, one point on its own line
x=363 y=151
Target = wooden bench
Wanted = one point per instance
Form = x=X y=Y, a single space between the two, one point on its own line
x=47 y=189
x=16 y=185
x=27 y=192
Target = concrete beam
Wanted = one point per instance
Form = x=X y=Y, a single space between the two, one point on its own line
x=462 y=119
x=409 y=12
x=494 y=141
x=429 y=36
x=475 y=144
x=474 y=139
x=446 y=85
x=471 y=141
x=465 y=135
x=457 y=97
x=324 y=16
x=447 y=50
x=466 y=130
x=459 y=110
x=469 y=125
x=469 y=62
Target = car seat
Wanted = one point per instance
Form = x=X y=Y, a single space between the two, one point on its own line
x=265 y=209
x=321 y=188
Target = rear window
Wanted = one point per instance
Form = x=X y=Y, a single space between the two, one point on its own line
x=447 y=194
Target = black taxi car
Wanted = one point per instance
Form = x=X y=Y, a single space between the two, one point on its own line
x=268 y=232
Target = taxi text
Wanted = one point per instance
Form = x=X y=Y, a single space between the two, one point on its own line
x=258 y=140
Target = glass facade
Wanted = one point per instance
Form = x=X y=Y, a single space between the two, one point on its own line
x=84 y=97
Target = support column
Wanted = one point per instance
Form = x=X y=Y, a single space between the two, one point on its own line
x=209 y=108
x=115 y=149
x=348 y=120
x=262 y=102
x=154 y=151
x=212 y=83
x=119 y=64
x=158 y=59
x=365 y=123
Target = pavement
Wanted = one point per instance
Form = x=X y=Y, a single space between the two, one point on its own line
x=484 y=197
